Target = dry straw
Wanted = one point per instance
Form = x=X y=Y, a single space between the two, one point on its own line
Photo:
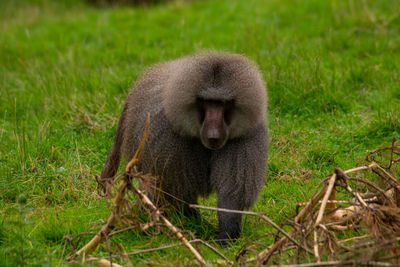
x=354 y=219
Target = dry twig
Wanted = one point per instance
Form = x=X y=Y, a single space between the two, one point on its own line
x=372 y=207
x=126 y=184
x=374 y=211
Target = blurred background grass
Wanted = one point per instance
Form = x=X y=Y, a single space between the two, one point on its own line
x=332 y=70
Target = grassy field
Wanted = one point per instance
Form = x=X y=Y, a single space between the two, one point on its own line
x=333 y=75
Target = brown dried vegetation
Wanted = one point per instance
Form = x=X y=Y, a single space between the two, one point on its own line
x=353 y=218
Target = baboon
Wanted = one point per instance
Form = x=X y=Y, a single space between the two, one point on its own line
x=207 y=132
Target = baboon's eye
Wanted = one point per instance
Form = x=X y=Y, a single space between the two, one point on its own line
x=228 y=111
x=200 y=108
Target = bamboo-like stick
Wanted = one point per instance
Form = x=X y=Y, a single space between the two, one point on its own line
x=341 y=174
x=310 y=204
x=167 y=223
x=328 y=192
x=106 y=229
x=316 y=250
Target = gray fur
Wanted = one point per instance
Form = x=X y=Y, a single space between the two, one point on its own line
x=173 y=150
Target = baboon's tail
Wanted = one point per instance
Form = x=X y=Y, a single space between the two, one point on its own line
x=114 y=156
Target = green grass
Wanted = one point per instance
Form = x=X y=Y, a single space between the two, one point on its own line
x=333 y=75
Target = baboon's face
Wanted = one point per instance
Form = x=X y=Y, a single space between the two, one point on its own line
x=215 y=117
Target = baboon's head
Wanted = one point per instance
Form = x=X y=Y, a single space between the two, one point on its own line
x=215 y=97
